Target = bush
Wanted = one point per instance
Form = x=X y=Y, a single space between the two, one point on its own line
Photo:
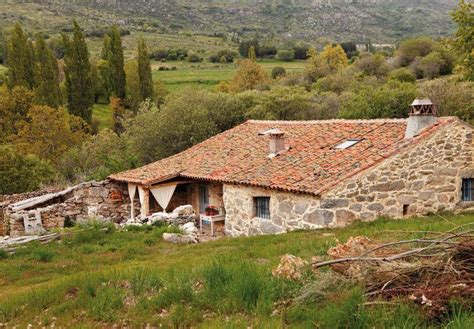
x=22 y=173
x=193 y=57
x=286 y=55
x=403 y=75
x=223 y=56
x=410 y=49
x=44 y=255
x=3 y=254
x=278 y=72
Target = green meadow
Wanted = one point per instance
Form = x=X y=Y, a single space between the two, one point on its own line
x=96 y=276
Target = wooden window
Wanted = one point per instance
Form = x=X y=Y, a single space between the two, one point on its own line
x=468 y=189
x=262 y=207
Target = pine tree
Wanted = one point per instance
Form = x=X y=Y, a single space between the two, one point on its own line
x=47 y=89
x=80 y=89
x=116 y=62
x=20 y=59
x=144 y=71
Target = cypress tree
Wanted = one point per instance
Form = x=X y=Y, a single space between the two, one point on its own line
x=144 y=71
x=116 y=62
x=46 y=75
x=20 y=59
x=80 y=89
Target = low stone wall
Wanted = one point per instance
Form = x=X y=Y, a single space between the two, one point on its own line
x=102 y=200
x=419 y=180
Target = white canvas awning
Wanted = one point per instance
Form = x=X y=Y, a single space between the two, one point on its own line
x=163 y=194
x=132 y=188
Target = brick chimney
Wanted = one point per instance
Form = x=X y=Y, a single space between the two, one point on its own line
x=422 y=115
x=276 y=141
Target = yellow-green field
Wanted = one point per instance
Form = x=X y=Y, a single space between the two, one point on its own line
x=207 y=75
x=99 y=277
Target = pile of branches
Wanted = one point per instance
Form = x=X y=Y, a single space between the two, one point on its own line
x=431 y=271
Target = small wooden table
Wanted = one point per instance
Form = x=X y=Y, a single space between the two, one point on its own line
x=210 y=219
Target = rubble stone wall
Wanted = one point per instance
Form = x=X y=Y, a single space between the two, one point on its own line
x=421 y=179
x=103 y=200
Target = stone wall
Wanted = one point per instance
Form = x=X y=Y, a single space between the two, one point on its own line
x=103 y=200
x=420 y=179
x=288 y=211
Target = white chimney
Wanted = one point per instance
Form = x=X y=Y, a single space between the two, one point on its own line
x=276 y=142
x=422 y=115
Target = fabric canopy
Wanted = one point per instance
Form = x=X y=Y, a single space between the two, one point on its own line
x=132 y=188
x=163 y=195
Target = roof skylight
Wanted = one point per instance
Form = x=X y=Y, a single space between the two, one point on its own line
x=346 y=144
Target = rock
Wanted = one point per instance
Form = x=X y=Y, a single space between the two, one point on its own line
x=180 y=238
x=183 y=211
x=319 y=217
x=268 y=227
x=334 y=203
x=189 y=228
x=290 y=267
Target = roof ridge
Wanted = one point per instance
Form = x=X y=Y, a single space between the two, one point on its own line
x=327 y=121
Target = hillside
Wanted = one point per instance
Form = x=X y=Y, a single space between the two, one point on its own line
x=359 y=20
x=104 y=278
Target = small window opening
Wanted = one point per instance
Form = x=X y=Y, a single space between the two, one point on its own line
x=405 y=209
x=468 y=189
x=346 y=144
x=262 y=207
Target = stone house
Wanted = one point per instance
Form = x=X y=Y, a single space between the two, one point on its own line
x=276 y=176
x=264 y=177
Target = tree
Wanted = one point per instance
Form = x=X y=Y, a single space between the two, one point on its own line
x=77 y=70
x=452 y=98
x=133 y=91
x=283 y=103
x=22 y=173
x=391 y=100
x=372 y=64
x=252 y=55
x=49 y=132
x=118 y=114
x=403 y=75
x=144 y=71
x=14 y=106
x=98 y=157
x=410 y=49
x=350 y=48
x=115 y=60
x=330 y=60
x=286 y=55
x=20 y=59
x=464 y=41
x=278 y=72
x=431 y=65
x=245 y=45
x=248 y=76
x=47 y=89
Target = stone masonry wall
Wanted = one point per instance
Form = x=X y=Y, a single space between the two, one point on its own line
x=423 y=179
x=419 y=180
x=103 y=200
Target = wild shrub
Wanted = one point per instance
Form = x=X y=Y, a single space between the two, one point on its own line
x=44 y=255
x=105 y=304
x=3 y=254
x=177 y=291
x=144 y=280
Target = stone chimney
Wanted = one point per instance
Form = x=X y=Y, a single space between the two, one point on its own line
x=276 y=141
x=422 y=115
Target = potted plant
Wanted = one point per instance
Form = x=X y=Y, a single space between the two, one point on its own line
x=211 y=211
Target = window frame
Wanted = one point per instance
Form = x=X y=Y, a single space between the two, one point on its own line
x=261 y=203
x=467 y=189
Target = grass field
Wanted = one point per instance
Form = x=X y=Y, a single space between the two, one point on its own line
x=207 y=75
x=102 y=116
x=97 y=278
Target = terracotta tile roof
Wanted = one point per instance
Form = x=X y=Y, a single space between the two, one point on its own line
x=311 y=165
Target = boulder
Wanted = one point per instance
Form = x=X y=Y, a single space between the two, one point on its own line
x=189 y=228
x=184 y=211
x=180 y=238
